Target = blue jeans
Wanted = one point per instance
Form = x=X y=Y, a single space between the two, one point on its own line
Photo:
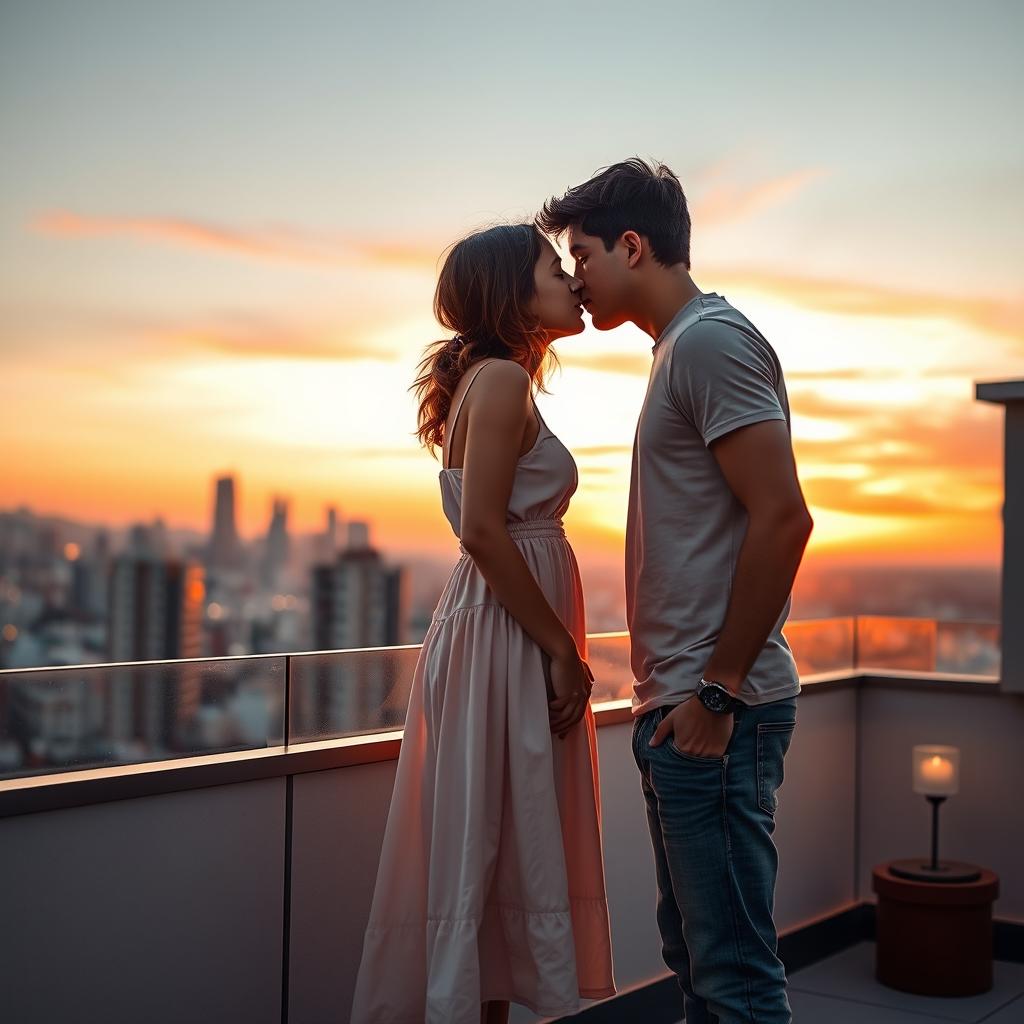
x=711 y=822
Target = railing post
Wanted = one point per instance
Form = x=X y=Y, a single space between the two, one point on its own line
x=287 y=700
x=1010 y=393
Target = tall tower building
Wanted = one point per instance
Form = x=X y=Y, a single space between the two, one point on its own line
x=327 y=543
x=275 y=556
x=225 y=546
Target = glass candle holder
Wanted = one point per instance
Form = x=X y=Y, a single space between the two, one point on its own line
x=936 y=770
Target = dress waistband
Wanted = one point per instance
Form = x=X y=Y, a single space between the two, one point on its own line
x=532 y=528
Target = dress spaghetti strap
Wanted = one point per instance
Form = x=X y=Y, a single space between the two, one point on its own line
x=542 y=426
x=458 y=408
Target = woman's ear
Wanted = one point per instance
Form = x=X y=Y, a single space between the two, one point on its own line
x=634 y=247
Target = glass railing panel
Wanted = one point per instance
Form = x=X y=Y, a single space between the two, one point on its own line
x=968 y=647
x=821 y=645
x=349 y=693
x=65 y=719
x=608 y=657
x=892 y=643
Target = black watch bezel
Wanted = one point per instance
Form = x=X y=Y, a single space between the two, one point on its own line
x=715 y=697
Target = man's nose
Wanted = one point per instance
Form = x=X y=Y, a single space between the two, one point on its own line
x=575 y=285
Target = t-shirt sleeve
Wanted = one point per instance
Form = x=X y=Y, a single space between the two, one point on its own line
x=721 y=378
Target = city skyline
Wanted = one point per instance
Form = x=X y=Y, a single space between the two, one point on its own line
x=230 y=271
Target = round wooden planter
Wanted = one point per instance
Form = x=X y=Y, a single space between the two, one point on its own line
x=934 y=938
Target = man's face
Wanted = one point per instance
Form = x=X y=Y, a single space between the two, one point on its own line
x=605 y=277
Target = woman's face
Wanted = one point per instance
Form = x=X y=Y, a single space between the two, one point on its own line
x=555 y=302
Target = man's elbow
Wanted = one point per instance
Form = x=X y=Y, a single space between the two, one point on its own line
x=803 y=524
x=791 y=520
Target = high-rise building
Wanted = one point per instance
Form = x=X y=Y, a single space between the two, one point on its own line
x=225 y=546
x=358 y=601
x=327 y=542
x=156 y=613
x=275 y=555
x=156 y=609
x=90 y=579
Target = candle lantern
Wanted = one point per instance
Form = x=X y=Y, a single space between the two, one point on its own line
x=936 y=775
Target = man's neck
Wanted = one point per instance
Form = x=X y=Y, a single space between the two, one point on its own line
x=667 y=295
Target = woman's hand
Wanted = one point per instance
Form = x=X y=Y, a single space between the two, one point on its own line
x=570 y=683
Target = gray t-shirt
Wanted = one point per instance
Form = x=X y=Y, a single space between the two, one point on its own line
x=713 y=371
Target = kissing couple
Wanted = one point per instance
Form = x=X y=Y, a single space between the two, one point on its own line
x=490 y=887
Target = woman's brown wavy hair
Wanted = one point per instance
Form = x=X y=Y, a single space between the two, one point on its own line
x=482 y=295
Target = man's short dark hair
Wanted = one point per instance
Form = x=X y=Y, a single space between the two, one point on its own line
x=633 y=195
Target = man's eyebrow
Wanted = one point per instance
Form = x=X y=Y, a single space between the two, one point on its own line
x=575 y=247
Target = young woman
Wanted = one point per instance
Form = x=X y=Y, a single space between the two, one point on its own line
x=490 y=887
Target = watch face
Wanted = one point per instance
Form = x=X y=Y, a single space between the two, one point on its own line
x=713 y=697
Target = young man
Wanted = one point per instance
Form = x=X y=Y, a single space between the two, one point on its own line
x=716 y=529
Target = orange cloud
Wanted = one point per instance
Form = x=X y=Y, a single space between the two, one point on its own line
x=724 y=202
x=848 y=298
x=280 y=244
x=638 y=365
x=238 y=334
x=967 y=447
x=585 y=451
x=284 y=345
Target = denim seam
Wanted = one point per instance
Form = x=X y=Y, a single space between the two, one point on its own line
x=759 y=754
x=732 y=890
x=762 y=728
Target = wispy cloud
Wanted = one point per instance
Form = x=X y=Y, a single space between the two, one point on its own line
x=996 y=316
x=280 y=344
x=638 y=365
x=412 y=452
x=279 y=243
x=594 y=450
x=853 y=498
x=904 y=465
x=847 y=373
x=231 y=332
x=724 y=202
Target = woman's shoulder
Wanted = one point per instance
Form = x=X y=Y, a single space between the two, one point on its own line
x=498 y=373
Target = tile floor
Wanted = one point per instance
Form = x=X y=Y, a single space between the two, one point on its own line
x=841 y=989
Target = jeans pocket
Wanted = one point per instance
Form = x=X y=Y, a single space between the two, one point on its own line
x=669 y=743
x=773 y=739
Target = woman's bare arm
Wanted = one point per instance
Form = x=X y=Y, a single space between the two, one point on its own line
x=497 y=411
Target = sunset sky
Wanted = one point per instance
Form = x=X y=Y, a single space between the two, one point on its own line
x=220 y=225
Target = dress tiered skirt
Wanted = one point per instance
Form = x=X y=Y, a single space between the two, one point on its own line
x=491 y=877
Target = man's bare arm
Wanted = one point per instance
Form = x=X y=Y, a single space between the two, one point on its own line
x=757 y=463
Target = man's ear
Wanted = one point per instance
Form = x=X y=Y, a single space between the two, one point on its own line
x=634 y=247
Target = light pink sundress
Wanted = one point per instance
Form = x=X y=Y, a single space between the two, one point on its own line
x=491 y=877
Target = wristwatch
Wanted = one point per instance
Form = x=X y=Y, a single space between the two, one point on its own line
x=715 y=697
